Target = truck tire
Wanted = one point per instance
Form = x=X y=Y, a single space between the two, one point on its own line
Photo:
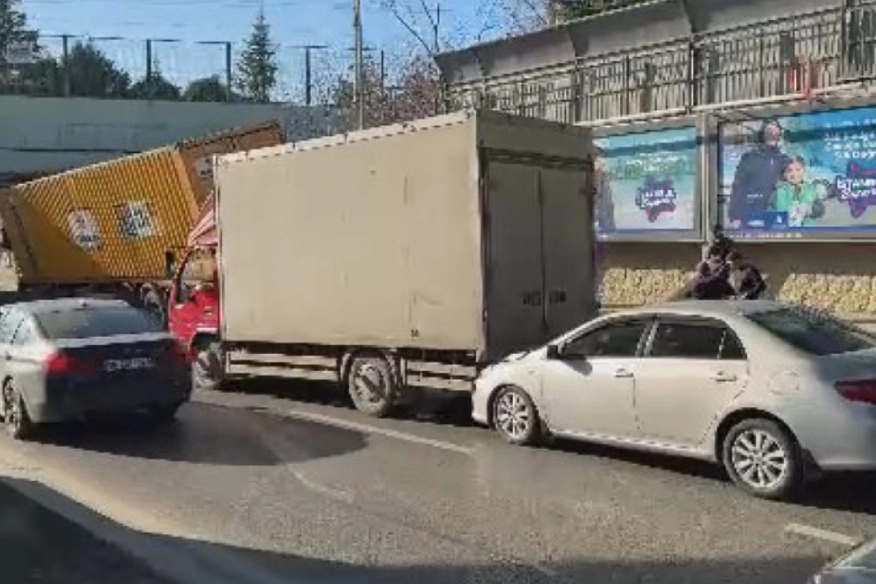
x=208 y=368
x=373 y=386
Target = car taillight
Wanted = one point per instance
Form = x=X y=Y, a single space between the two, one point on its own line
x=179 y=352
x=861 y=391
x=61 y=363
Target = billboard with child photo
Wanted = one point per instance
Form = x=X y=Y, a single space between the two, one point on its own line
x=809 y=175
x=646 y=185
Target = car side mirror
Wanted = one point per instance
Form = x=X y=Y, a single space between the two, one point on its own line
x=561 y=353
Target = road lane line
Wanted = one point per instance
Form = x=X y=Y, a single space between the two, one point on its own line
x=817 y=533
x=323 y=489
x=368 y=429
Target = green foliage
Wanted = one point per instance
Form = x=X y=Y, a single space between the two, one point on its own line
x=208 y=89
x=155 y=87
x=257 y=67
x=93 y=74
x=580 y=8
x=13 y=28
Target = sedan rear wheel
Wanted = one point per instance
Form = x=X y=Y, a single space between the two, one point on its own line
x=515 y=416
x=15 y=416
x=762 y=458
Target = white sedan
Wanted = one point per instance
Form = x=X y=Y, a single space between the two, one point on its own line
x=774 y=392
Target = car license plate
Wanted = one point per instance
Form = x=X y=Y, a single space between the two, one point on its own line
x=113 y=365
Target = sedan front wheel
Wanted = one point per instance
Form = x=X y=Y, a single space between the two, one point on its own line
x=515 y=416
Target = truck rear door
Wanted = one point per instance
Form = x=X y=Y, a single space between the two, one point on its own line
x=538 y=255
x=569 y=240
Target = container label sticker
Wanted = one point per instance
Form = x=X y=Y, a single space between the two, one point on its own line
x=84 y=229
x=135 y=220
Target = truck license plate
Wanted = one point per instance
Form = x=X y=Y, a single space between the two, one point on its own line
x=112 y=365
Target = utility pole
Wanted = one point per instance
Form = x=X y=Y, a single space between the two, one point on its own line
x=359 y=62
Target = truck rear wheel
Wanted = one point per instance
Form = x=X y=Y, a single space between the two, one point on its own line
x=372 y=386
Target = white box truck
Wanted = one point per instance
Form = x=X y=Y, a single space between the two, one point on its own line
x=402 y=257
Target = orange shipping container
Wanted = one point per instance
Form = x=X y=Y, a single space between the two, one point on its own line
x=117 y=221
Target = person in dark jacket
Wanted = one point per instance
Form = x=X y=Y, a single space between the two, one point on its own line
x=744 y=278
x=711 y=279
x=757 y=175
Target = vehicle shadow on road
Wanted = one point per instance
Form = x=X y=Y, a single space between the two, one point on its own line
x=432 y=408
x=195 y=561
x=211 y=434
x=843 y=492
x=852 y=492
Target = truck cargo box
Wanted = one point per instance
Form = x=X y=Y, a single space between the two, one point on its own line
x=466 y=232
x=117 y=220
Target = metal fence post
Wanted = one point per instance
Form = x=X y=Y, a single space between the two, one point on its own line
x=148 y=60
x=65 y=65
x=228 y=75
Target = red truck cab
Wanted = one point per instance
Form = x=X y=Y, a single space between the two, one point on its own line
x=193 y=312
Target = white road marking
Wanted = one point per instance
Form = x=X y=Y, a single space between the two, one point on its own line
x=368 y=429
x=323 y=489
x=817 y=533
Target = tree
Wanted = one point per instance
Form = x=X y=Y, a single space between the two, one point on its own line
x=155 y=87
x=257 y=67
x=207 y=89
x=14 y=31
x=18 y=45
x=92 y=74
x=520 y=16
x=413 y=93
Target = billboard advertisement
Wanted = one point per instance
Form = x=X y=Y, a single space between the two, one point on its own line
x=810 y=175
x=646 y=187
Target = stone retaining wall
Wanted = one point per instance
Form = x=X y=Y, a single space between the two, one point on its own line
x=836 y=277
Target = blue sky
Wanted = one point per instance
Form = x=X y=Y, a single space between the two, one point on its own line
x=294 y=22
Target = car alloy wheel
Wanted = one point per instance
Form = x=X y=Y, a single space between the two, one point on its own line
x=15 y=416
x=763 y=457
x=515 y=416
x=759 y=459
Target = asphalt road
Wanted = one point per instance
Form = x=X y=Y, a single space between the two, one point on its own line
x=285 y=485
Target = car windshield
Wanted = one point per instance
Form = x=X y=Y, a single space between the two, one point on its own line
x=814 y=332
x=82 y=323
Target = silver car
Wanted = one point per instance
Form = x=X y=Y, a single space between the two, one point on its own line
x=772 y=391
x=72 y=358
x=856 y=567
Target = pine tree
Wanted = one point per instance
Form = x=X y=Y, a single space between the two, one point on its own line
x=257 y=67
x=13 y=28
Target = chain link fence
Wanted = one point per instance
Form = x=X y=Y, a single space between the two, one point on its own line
x=115 y=67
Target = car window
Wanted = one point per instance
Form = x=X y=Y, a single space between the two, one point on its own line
x=82 y=323
x=620 y=339
x=9 y=321
x=731 y=348
x=687 y=340
x=814 y=332
x=25 y=333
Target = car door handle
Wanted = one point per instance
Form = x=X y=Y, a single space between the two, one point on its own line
x=623 y=374
x=722 y=377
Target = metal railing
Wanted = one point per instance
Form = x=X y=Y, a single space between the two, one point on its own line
x=117 y=67
x=768 y=61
